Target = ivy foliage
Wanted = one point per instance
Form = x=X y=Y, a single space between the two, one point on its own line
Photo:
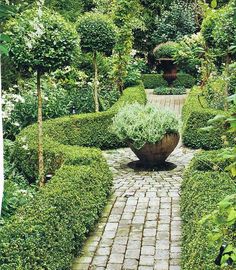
x=97 y=33
x=45 y=46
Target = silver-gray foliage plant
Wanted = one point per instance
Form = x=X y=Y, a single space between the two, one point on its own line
x=142 y=124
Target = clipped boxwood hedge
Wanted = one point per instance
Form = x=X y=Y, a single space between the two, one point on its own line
x=49 y=232
x=195 y=116
x=212 y=160
x=201 y=192
x=184 y=80
x=90 y=130
x=152 y=81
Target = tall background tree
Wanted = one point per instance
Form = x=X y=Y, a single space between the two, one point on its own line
x=97 y=34
x=41 y=41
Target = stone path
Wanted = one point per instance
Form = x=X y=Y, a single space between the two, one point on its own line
x=173 y=102
x=140 y=228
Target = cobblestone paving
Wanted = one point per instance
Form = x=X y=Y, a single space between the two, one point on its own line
x=140 y=228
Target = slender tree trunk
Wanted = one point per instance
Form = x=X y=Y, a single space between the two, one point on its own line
x=40 y=133
x=95 y=93
x=226 y=92
x=1 y=145
x=120 y=84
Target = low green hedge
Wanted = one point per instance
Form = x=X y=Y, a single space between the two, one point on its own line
x=90 y=130
x=169 y=91
x=200 y=194
x=152 y=81
x=212 y=160
x=184 y=80
x=195 y=116
x=49 y=231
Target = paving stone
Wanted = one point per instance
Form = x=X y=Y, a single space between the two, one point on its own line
x=146 y=260
x=130 y=264
x=132 y=254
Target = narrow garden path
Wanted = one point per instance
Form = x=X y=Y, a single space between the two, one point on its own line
x=141 y=226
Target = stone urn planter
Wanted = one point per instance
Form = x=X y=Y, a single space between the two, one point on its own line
x=154 y=154
x=151 y=132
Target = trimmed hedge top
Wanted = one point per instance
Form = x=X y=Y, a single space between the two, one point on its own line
x=90 y=130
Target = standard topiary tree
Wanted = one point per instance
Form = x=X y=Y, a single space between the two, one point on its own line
x=41 y=41
x=97 y=34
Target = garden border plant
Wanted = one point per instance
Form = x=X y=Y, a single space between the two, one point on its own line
x=49 y=231
x=206 y=184
x=195 y=114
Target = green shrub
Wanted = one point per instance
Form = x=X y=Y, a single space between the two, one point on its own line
x=188 y=54
x=140 y=124
x=195 y=116
x=152 y=81
x=175 y=22
x=165 y=50
x=169 y=91
x=205 y=189
x=48 y=232
x=212 y=160
x=184 y=80
x=91 y=130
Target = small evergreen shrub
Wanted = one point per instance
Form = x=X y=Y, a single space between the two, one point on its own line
x=141 y=124
x=206 y=189
x=195 y=114
x=152 y=81
x=184 y=80
x=169 y=91
x=165 y=50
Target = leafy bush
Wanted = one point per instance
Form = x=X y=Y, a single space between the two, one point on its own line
x=195 y=116
x=17 y=191
x=141 y=124
x=219 y=30
x=91 y=130
x=133 y=72
x=60 y=216
x=205 y=189
x=175 y=22
x=152 y=81
x=165 y=50
x=211 y=160
x=223 y=220
x=188 y=53
x=169 y=91
x=214 y=92
x=184 y=80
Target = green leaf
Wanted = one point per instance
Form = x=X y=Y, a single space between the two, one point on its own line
x=214 y=3
x=3 y=50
